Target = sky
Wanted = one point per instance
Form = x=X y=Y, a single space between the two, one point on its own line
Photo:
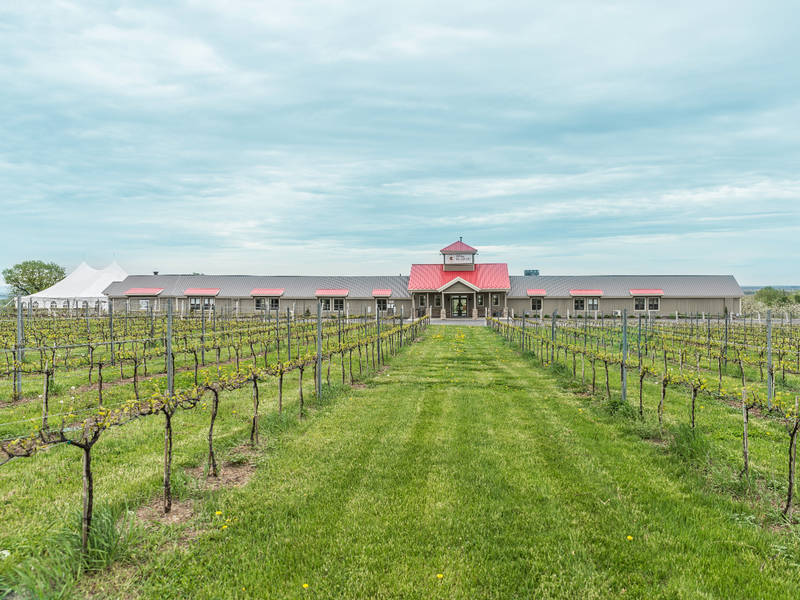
x=344 y=137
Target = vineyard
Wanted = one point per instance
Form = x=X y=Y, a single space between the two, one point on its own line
x=462 y=449
x=755 y=368
x=71 y=380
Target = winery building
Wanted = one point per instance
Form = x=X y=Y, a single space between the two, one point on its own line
x=456 y=286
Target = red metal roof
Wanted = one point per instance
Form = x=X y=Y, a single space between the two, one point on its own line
x=377 y=293
x=486 y=276
x=458 y=246
x=647 y=292
x=586 y=292
x=266 y=292
x=325 y=292
x=201 y=292
x=536 y=293
x=144 y=291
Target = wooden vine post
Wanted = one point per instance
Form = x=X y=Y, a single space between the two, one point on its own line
x=168 y=408
x=745 y=442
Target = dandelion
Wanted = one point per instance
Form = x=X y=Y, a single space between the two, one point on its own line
x=224 y=527
x=439 y=576
x=629 y=538
x=305 y=586
x=219 y=512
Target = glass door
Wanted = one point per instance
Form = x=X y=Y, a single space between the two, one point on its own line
x=458 y=306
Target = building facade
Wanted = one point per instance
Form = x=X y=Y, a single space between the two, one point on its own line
x=456 y=287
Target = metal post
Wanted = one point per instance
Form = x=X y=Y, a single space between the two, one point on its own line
x=288 y=334
x=319 y=348
x=20 y=344
x=770 y=378
x=624 y=371
x=725 y=348
x=523 y=331
x=203 y=332
x=639 y=340
x=277 y=334
x=170 y=364
x=378 y=319
x=553 y=337
x=111 y=327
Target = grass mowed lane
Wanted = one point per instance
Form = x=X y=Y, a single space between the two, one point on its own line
x=466 y=461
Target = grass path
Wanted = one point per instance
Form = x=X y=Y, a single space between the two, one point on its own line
x=465 y=460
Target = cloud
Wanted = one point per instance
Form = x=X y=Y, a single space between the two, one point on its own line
x=243 y=136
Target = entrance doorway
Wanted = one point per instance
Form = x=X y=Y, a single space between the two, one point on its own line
x=458 y=306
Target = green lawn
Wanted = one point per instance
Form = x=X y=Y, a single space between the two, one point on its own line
x=465 y=460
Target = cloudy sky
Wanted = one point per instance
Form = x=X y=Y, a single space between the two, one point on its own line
x=355 y=137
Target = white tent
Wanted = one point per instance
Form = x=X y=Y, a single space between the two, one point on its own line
x=83 y=288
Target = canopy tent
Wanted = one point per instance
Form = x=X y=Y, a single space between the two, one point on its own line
x=83 y=288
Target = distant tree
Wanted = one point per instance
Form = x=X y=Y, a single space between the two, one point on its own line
x=772 y=297
x=31 y=276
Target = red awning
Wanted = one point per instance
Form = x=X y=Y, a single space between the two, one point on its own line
x=144 y=291
x=646 y=292
x=201 y=292
x=338 y=292
x=486 y=276
x=376 y=293
x=586 y=292
x=267 y=292
x=459 y=246
x=536 y=293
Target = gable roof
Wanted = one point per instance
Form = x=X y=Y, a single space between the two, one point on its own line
x=242 y=286
x=459 y=246
x=486 y=276
x=620 y=286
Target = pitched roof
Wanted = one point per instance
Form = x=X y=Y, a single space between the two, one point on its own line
x=620 y=286
x=140 y=291
x=241 y=286
x=486 y=276
x=459 y=246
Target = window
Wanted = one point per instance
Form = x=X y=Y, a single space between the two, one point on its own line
x=35 y=305
x=495 y=299
x=144 y=304
x=593 y=303
x=652 y=303
x=638 y=303
x=480 y=299
x=579 y=304
x=53 y=305
x=338 y=304
x=85 y=304
x=261 y=304
x=383 y=303
x=326 y=303
x=536 y=304
x=437 y=300
x=197 y=303
x=421 y=299
x=66 y=304
x=274 y=303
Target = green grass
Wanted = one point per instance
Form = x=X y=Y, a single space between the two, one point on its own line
x=463 y=459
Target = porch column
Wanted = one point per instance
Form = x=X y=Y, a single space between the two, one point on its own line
x=474 y=305
x=443 y=312
x=505 y=305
